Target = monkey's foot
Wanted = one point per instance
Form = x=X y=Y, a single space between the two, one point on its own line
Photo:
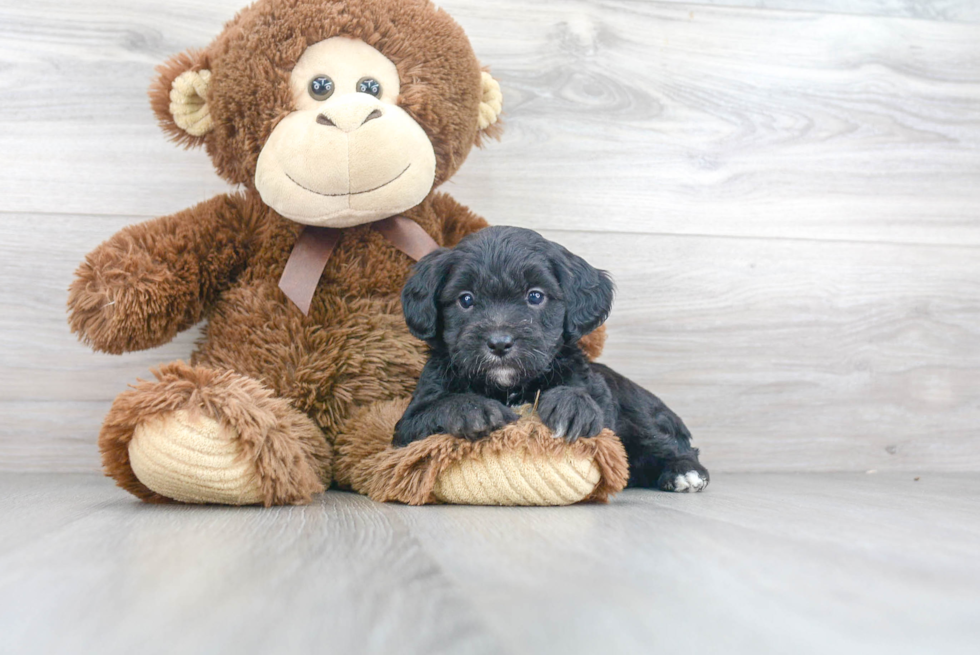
x=199 y=435
x=520 y=464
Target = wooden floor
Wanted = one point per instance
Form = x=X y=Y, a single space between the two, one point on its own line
x=773 y=563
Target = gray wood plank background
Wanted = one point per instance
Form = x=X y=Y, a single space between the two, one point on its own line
x=787 y=192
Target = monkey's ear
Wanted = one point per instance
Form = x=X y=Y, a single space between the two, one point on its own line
x=420 y=296
x=491 y=106
x=588 y=293
x=179 y=97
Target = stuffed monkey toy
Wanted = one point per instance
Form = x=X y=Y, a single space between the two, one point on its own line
x=338 y=120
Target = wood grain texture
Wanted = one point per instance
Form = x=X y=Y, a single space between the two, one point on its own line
x=786 y=195
x=964 y=11
x=645 y=117
x=709 y=120
x=806 y=563
x=756 y=564
x=116 y=576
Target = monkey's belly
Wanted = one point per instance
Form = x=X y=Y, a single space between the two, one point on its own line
x=348 y=353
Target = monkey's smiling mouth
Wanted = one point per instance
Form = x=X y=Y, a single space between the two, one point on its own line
x=352 y=193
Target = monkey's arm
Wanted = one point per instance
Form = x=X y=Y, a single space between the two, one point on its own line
x=150 y=281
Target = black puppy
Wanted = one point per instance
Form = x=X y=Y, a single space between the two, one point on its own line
x=502 y=313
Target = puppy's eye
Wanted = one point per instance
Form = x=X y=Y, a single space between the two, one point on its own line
x=535 y=297
x=466 y=300
x=321 y=87
x=370 y=86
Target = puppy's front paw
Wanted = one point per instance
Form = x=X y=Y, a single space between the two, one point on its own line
x=690 y=477
x=571 y=413
x=477 y=417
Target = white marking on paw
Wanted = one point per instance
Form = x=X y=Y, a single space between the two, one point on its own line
x=689 y=482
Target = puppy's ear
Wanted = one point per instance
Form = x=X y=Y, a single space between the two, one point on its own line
x=588 y=293
x=420 y=297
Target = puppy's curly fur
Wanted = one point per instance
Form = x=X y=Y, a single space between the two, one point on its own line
x=502 y=314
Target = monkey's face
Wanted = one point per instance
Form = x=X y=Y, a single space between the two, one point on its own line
x=336 y=112
x=347 y=154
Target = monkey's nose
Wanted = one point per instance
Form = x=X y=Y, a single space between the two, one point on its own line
x=500 y=344
x=348 y=117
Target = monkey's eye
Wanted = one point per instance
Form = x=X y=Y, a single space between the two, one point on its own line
x=535 y=297
x=321 y=87
x=466 y=300
x=369 y=85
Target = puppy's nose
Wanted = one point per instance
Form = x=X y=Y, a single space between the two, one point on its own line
x=499 y=344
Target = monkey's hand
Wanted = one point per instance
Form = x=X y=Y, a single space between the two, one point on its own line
x=152 y=280
x=123 y=299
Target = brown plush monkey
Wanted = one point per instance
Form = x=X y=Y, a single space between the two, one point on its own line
x=339 y=119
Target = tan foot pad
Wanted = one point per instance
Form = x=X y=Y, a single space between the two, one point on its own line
x=193 y=459
x=521 y=464
x=517 y=478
